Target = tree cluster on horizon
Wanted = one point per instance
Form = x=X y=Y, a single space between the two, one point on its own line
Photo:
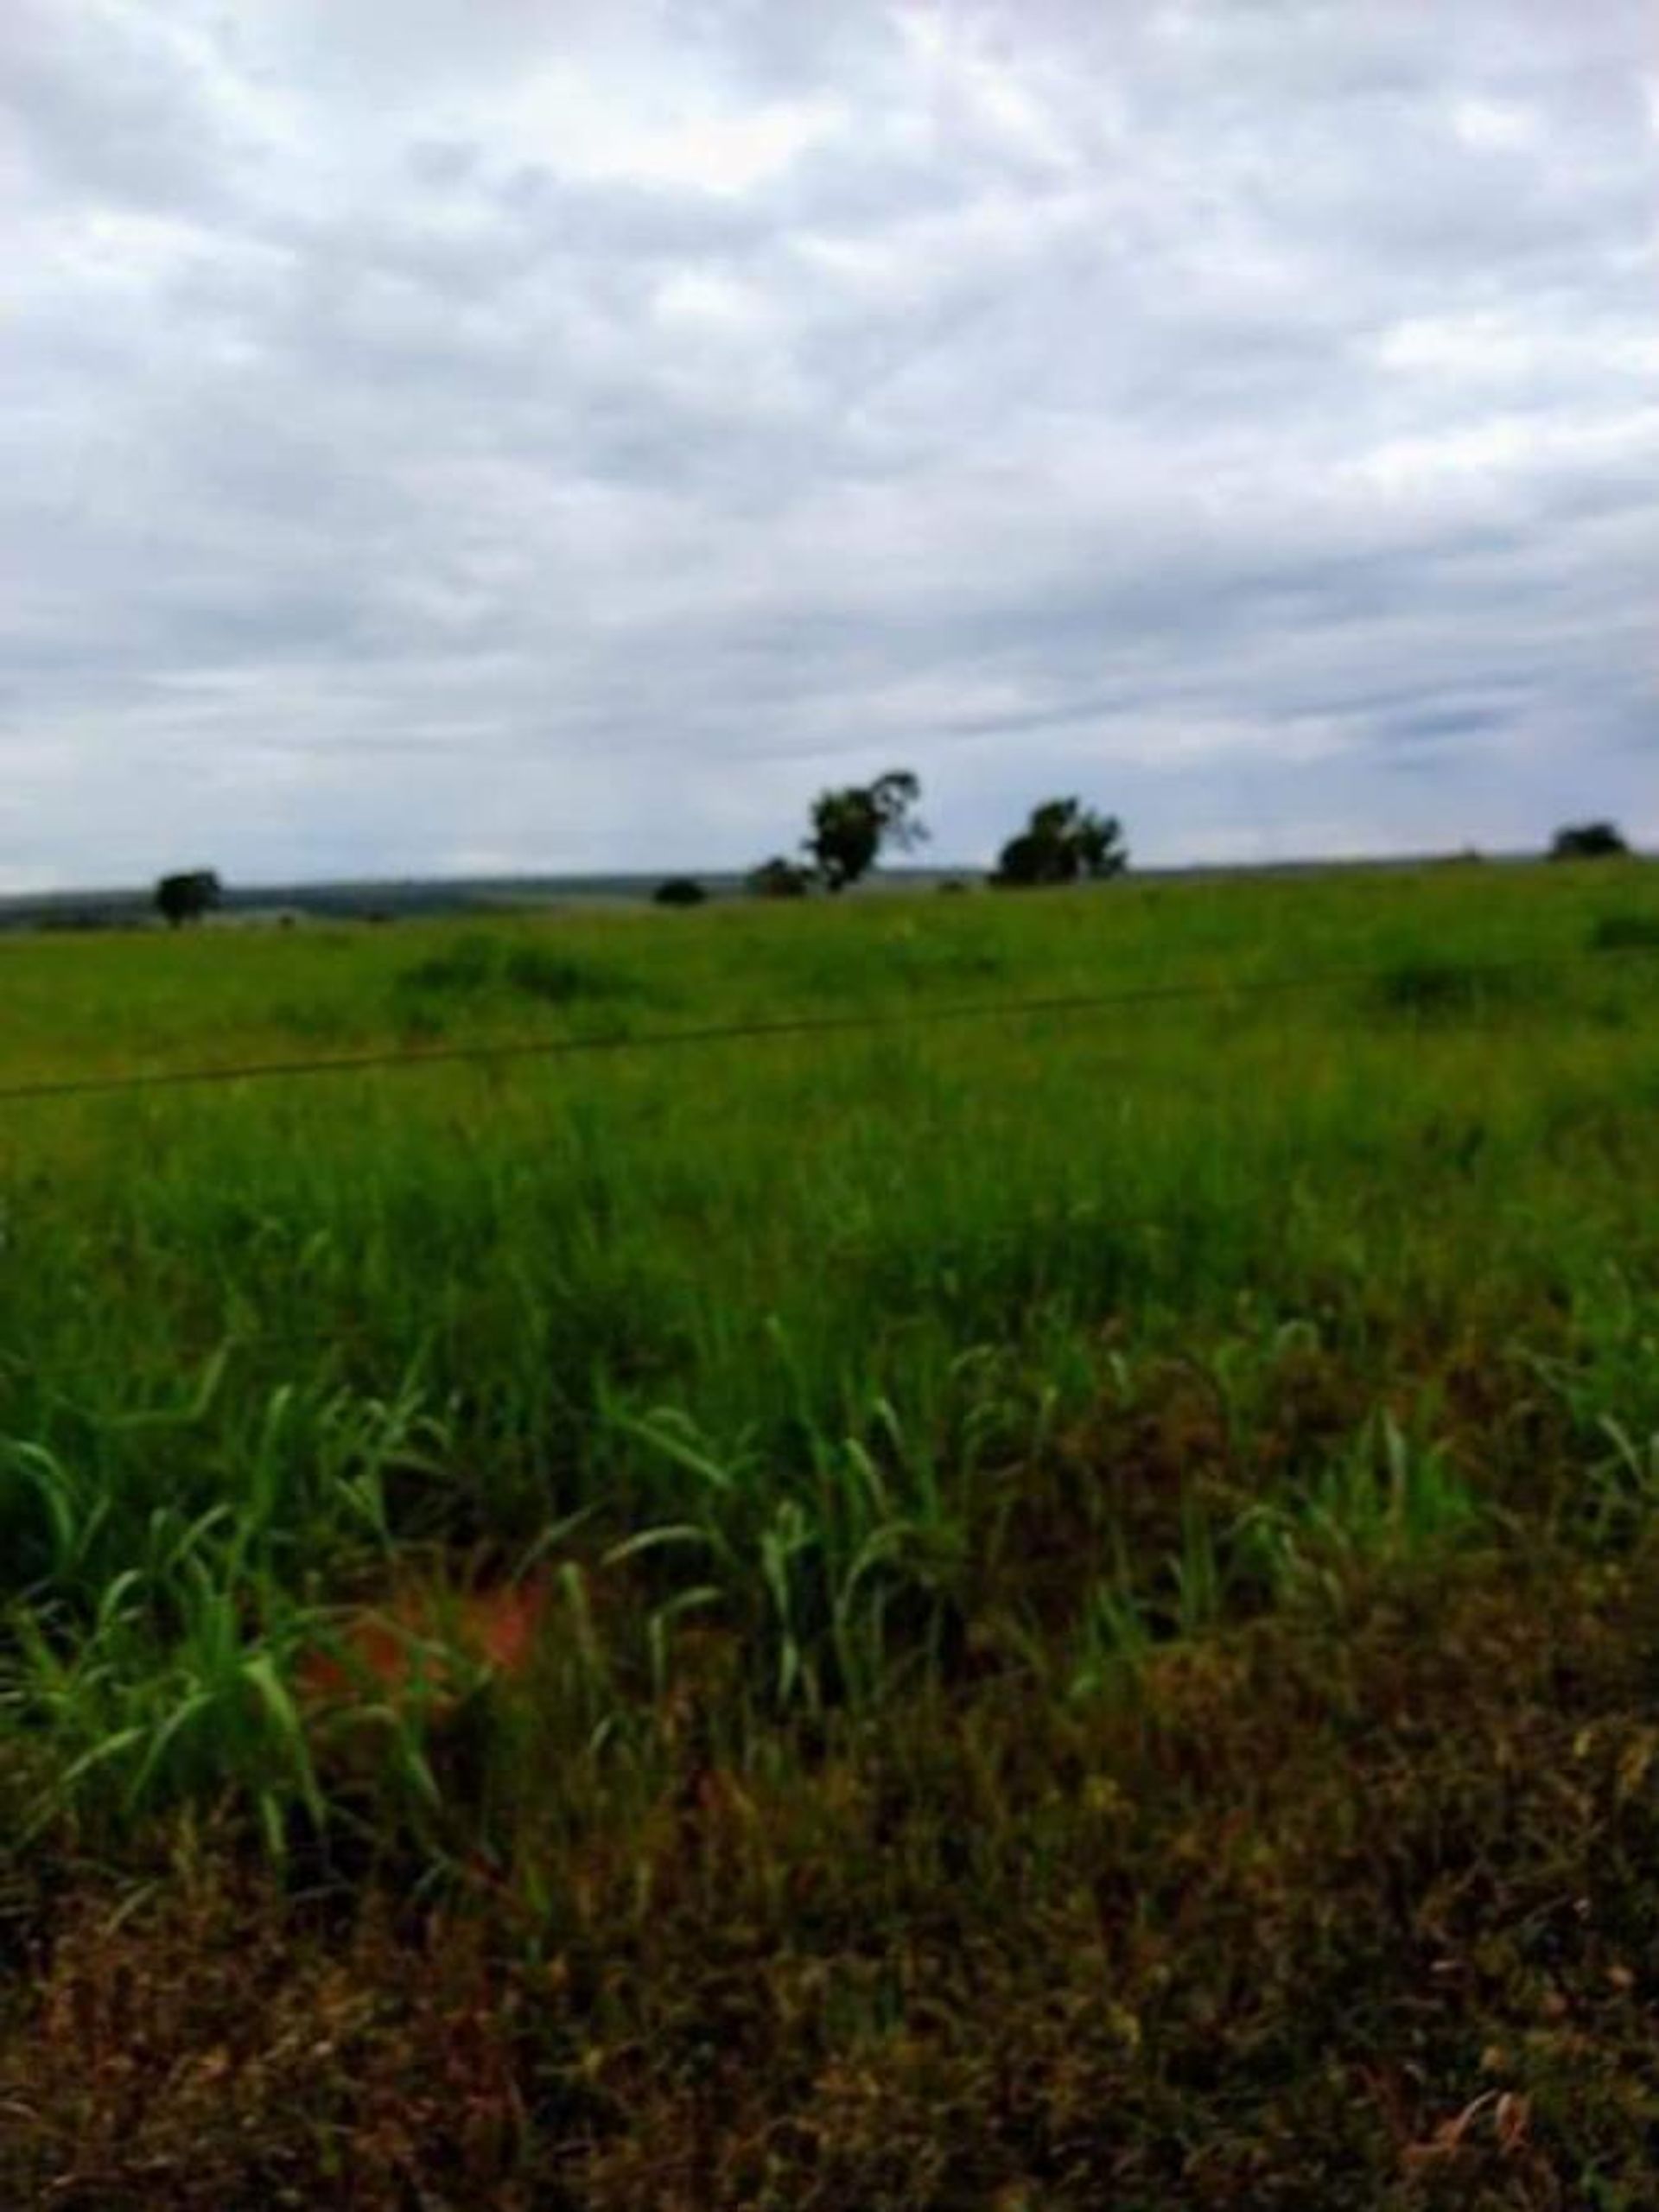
x=849 y=828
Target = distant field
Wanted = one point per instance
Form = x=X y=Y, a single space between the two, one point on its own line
x=1016 y=1613
x=385 y=899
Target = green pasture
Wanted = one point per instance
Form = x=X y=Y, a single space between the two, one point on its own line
x=906 y=1428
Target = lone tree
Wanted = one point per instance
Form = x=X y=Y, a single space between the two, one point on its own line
x=187 y=897
x=850 y=827
x=1064 y=839
x=778 y=878
x=1588 y=840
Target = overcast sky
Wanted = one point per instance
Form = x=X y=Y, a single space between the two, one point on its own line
x=444 y=435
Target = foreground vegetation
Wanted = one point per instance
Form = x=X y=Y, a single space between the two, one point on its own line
x=1016 y=1613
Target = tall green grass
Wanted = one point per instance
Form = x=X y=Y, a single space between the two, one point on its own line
x=869 y=1352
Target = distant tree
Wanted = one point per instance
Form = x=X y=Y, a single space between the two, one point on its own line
x=679 y=891
x=1588 y=840
x=1064 y=839
x=778 y=878
x=187 y=897
x=850 y=827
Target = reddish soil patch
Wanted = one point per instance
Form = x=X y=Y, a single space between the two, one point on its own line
x=424 y=1641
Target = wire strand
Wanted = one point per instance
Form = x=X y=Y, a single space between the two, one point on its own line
x=557 y=1048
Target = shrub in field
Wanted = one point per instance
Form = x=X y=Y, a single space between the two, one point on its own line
x=1625 y=933
x=679 y=891
x=557 y=979
x=467 y=965
x=475 y=964
x=1434 y=989
x=1588 y=840
x=778 y=878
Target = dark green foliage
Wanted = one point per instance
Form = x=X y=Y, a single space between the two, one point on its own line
x=1063 y=841
x=477 y=965
x=679 y=891
x=1632 y=931
x=469 y=964
x=1445 y=990
x=1588 y=840
x=559 y=979
x=850 y=827
x=187 y=897
x=778 y=878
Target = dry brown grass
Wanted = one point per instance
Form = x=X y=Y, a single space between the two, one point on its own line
x=1306 y=1923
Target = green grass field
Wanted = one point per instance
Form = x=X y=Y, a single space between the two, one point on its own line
x=1093 y=1625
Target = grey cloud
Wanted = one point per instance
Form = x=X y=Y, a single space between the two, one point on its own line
x=111 y=108
x=405 y=464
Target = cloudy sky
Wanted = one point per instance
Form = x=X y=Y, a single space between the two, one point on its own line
x=439 y=436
